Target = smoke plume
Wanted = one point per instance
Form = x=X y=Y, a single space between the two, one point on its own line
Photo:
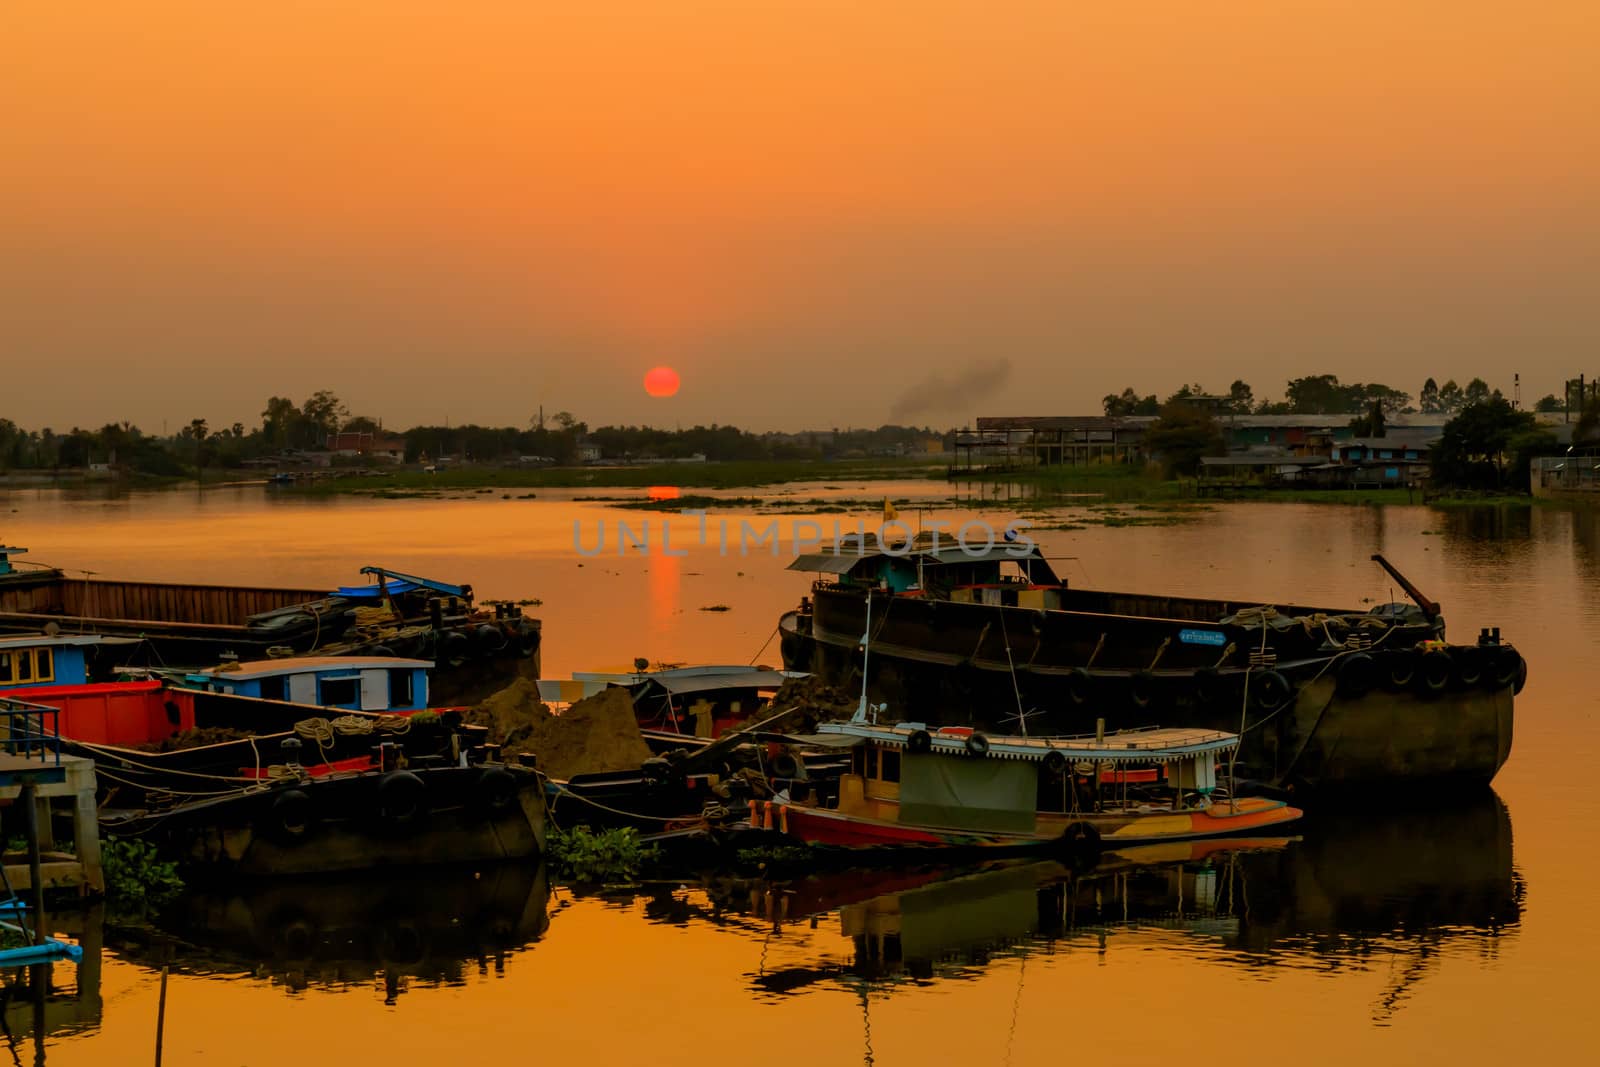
x=937 y=395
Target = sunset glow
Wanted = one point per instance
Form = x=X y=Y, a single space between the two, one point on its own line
x=352 y=196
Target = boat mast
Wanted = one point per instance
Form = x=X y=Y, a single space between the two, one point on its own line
x=866 y=643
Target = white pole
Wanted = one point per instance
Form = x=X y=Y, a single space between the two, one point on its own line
x=866 y=647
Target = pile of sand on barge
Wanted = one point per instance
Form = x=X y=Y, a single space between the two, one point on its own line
x=811 y=701
x=598 y=733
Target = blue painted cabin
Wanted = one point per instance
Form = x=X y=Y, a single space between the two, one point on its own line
x=353 y=683
x=38 y=659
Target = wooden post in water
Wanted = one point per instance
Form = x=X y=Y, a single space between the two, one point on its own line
x=161 y=1014
x=28 y=796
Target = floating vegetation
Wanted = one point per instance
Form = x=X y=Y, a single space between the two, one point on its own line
x=585 y=855
x=138 y=881
x=766 y=856
x=716 y=607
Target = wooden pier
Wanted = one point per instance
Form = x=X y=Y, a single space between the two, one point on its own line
x=65 y=789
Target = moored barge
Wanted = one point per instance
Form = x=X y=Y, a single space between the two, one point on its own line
x=189 y=625
x=1323 y=697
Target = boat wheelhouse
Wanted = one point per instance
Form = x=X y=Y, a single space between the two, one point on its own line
x=913 y=786
x=32 y=660
x=353 y=683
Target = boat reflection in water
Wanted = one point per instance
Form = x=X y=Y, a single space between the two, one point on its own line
x=1411 y=884
x=1403 y=883
x=52 y=1000
x=308 y=932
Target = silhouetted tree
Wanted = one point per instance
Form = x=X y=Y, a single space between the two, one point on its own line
x=1473 y=451
x=1182 y=435
x=1129 y=402
x=1429 y=397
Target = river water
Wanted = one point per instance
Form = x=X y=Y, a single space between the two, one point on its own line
x=1463 y=931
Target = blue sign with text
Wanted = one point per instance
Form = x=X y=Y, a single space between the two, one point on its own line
x=1202 y=637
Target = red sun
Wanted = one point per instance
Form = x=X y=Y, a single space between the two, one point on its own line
x=661 y=381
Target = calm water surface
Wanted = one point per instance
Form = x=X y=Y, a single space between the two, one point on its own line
x=1464 y=932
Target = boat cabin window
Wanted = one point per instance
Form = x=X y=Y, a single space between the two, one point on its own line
x=870 y=761
x=399 y=688
x=26 y=666
x=274 y=688
x=339 y=691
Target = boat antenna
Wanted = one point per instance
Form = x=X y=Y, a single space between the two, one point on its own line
x=866 y=642
x=1011 y=667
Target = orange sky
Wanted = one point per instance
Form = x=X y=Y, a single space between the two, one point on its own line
x=463 y=210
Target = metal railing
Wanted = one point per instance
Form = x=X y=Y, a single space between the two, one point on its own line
x=30 y=730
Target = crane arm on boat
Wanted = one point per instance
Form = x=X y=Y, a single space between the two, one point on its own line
x=1429 y=608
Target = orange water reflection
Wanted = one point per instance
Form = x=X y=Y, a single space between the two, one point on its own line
x=1386 y=935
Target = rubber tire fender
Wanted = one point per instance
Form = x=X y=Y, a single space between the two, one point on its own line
x=1141 y=688
x=1400 y=668
x=1356 y=675
x=1470 y=666
x=1434 y=671
x=919 y=742
x=785 y=765
x=1055 y=764
x=977 y=744
x=402 y=799
x=1504 y=666
x=1080 y=686
x=292 y=816
x=1271 y=690
x=453 y=646
x=1082 y=838
x=494 y=791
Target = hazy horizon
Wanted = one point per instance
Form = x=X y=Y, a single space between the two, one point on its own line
x=819 y=214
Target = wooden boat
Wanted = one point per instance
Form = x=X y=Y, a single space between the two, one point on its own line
x=911 y=787
x=195 y=626
x=995 y=628
x=157 y=737
x=425 y=812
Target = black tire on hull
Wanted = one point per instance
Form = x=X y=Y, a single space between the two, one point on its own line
x=1400 y=668
x=1080 y=686
x=402 y=800
x=291 y=818
x=1082 y=839
x=1270 y=691
x=1356 y=675
x=1434 y=671
x=1505 y=666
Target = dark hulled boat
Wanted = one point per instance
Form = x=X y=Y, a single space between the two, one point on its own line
x=1326 y=696
x=195 y=625
x=427 y=811
x=153 y=741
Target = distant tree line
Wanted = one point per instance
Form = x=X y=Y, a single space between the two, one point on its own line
x=288 y=429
